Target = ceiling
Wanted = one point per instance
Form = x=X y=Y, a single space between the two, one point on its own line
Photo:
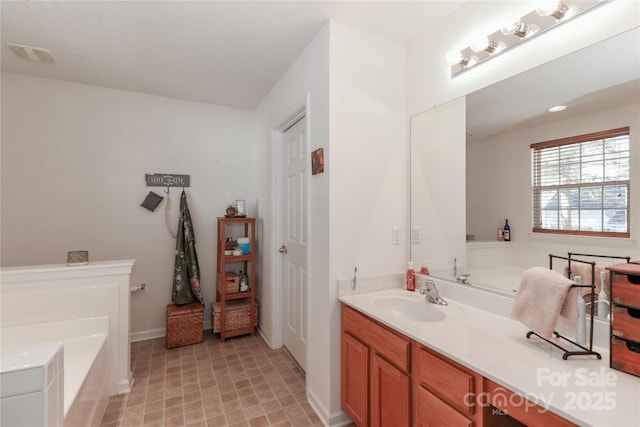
x=219 y=52
x=599 y=77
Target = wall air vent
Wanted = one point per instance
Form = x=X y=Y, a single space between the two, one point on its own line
x=32 y=53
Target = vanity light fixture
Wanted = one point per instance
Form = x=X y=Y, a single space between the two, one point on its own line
x=548 y=15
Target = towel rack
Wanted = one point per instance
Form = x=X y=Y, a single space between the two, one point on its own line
x=570 y=254
x=585 y=351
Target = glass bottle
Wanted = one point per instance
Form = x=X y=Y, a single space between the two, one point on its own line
x=506 y=230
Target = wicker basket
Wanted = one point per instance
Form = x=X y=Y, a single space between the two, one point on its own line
x=184 y=324
x=231 y=282
x=230 y=245
x=236 y=314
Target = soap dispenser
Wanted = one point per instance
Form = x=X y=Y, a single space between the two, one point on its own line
x=411 y=277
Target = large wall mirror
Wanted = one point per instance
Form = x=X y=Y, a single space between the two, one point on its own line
x=491 y=164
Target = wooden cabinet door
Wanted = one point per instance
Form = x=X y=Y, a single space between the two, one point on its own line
x=390 y=394
x=355 y=379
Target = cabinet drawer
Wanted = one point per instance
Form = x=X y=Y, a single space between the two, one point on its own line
x=626 y=289
x=451 y=383
x=626 y=322
x=625 y=356
x=434 y=412
x=384 y=341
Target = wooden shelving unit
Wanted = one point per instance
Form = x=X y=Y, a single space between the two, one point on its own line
x=246 y=263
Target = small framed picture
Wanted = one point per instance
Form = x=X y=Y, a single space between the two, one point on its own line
x=317 y=161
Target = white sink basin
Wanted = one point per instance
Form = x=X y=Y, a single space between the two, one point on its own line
x=410 y=309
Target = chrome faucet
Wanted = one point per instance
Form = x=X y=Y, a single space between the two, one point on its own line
x=430 y=291
x=463 y=278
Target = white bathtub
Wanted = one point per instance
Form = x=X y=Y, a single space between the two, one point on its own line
x=86 y=309
x=499 y=280
x=41 y=362
x=503 y=280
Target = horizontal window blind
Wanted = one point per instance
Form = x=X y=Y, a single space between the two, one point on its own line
x=581 y=185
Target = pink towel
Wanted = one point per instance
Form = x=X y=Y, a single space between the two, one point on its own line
x=543 y=296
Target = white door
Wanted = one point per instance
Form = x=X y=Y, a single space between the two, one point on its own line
x=293 y=223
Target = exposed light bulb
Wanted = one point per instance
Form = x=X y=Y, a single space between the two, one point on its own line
x=484 y=44
x=516 y=28
x=547 y=7
x=554 y=8
x=454 y=57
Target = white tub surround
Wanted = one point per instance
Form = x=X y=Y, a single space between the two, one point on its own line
x=66 y=363
x=583 y=390
x=51 y=293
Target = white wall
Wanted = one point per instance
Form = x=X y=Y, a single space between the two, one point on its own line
x=73 y=163
x=499 y=182
x=304 y=85
x=354 y=86
x=368 y=167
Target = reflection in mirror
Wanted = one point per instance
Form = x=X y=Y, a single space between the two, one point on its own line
x=600 y=87
x=437 y=187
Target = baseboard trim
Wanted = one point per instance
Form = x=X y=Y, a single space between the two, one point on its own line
x=318 y=407
x=147 y=335
x=265 y=337
x=339 y=418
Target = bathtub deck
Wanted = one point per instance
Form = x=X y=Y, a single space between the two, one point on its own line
x=80 y=354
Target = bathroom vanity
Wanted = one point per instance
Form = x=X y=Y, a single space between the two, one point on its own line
x=407 y=362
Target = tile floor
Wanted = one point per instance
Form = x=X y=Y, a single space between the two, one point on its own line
x=241 y=382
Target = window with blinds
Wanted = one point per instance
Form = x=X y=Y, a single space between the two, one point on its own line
x=581 y=184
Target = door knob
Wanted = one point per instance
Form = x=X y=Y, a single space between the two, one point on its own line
x=283 y=249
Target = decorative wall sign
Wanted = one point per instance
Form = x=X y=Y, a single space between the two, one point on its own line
x=317 y=161
x=167 y=180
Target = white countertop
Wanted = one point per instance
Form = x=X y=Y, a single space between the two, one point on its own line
x=581 y=389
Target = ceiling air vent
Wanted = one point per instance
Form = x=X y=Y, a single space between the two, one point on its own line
x=32 y=53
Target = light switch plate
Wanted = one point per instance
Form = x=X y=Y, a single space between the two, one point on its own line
x=395 y=235
x=416 y=234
